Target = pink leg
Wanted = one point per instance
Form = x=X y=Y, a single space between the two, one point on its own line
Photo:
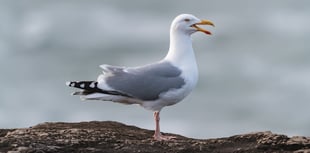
x=157 y=134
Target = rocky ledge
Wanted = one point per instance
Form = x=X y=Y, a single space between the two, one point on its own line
x=108 y=137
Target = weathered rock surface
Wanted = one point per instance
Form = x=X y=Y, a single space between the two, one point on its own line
x=108 y=137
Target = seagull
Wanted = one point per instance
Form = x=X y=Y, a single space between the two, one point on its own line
x=156 y=85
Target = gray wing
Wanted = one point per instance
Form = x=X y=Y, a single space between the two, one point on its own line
x=144 y=83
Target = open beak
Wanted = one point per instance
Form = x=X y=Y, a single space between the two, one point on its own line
x=203 y=22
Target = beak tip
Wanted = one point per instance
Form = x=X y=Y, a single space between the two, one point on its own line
x=208 y=33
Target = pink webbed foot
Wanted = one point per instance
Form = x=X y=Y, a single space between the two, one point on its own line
x=160 y=137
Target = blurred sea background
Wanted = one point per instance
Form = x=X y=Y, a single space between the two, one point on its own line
x=254 y=69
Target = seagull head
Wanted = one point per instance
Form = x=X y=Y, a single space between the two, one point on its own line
x=188 y=24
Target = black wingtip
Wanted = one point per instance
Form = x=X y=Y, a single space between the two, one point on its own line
x=87 y=85
x=68 y=83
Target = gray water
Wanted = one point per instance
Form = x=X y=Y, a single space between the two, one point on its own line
x=254 y=69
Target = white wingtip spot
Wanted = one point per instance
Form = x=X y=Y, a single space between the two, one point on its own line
x=92 y=85
x=68 y=83
x=82 y=85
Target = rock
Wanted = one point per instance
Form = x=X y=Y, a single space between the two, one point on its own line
x=107 y=137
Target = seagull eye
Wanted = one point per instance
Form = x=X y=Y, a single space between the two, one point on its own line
x=186 y=20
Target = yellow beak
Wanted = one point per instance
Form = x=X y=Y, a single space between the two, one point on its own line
x=203 y=22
